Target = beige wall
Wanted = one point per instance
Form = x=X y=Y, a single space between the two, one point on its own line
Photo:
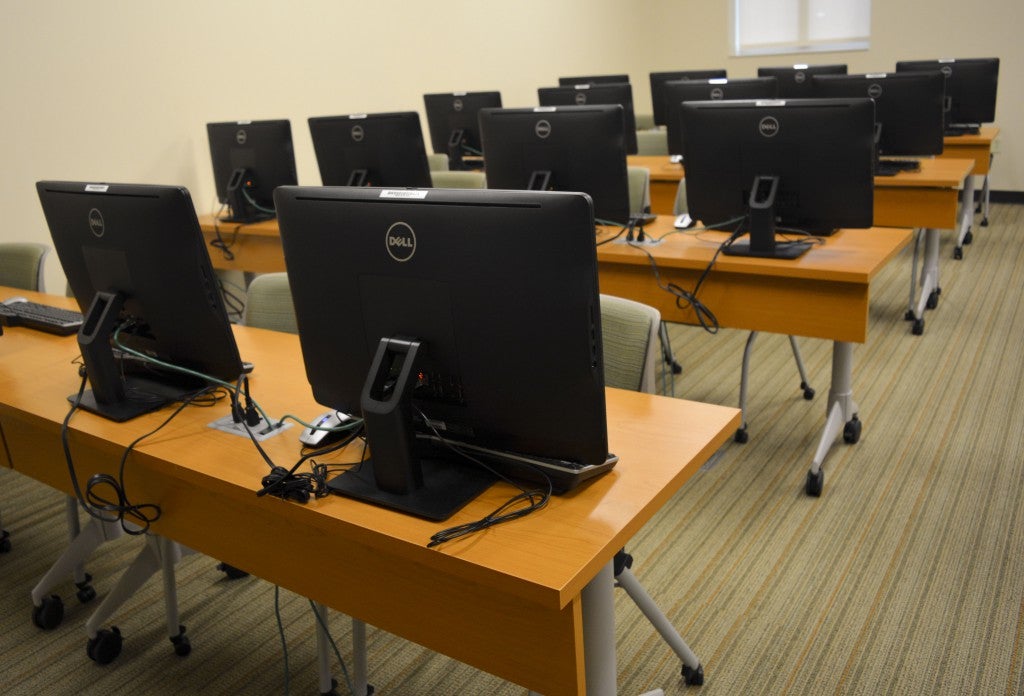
x=120 y=90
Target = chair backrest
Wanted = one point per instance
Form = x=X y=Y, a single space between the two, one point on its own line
x=461 y=179
x=639 y=189
x=680 y=206
x=644 y=121
x=652 y=142
x=21 y=265
x=268 y=303
x=629 y=334
x=437 y=162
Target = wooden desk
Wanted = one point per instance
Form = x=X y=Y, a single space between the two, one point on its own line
x=823 y=294
x=508 y=601
x=979 y=148
x=928 y=200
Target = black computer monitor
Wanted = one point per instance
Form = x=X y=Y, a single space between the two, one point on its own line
x=453 y=124
x=620 y=93
x=560 y=148
x=795 y=80
x=134 y=258
x=908 y=109
x=593 y=79
x=970 y=89
x=804 y=164
x=370 y=149
x=658 y=80
x=251 y=159
x=678 y=91
x=471 y=315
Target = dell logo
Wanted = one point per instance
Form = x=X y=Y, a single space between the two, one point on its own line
x=358 y=134
x=542 y=129
x=400 y=241
x=457 y=105
x=717 y=93
x=800 y=77
x=96 y=224
x=241 y=136
x=581 y=98
x=874 y=90
x=946 y=70
x=768 y=126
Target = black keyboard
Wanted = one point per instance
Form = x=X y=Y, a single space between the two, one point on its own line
x=962 y=129
x=894 y=167
x=40 y=317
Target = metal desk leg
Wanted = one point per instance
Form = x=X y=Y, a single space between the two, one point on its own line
x=985 y=193
x=930 y=290
x=359 y=668
x=599 y=633
x=323 y=658
x=842 y=414
x=965 y=217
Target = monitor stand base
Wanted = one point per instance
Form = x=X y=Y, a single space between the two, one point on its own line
x=782 y=250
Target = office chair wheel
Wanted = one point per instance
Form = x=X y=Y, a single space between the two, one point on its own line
x=231 y=572
x=49 y=613
x=933 y=300
x=808 y=390
x=958 y=253
x=86 y=592
x=969 y=237
x=851 y=431
x=918 y=327
x=105 y=646
x=815 y=483
x=693 y=677
x=5 y=541
x=741 y=435
x=182 y=646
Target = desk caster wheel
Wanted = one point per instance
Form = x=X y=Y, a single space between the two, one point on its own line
x=918 y=328
x=969 y=237
x=677 y=369
x=741 y=435
x=231 y=572
x=984 y=222
x=5 y=541
x=105 y=646
x=49 y=613
x=958 y=253
x=693 y=677
x=909 y=315
x=182 y=646
x=814 y=484
x=851 y=431
x=808 y=390
x=86 y=592
x=933 y=300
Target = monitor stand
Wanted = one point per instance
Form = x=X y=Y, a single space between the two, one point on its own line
x=455 y=162
x=114 y=395
x=539 y=181
x=762 y=226
x=243 y=210
x=396 y=476
x=358 y=177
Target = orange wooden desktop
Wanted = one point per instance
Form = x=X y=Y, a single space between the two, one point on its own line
x=507 y=600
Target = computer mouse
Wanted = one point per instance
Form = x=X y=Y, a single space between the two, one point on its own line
x=15 y=299
x=319 y=436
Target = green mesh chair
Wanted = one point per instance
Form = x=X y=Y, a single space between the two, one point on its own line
x=268 y=303
x=639 y=189
x=21 y=265
x=460 y=179
x=629 y=333
x=652 y=142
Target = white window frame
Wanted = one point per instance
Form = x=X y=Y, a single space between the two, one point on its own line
x=802 y=42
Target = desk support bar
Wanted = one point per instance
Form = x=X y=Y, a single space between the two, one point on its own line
x=842 y=414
